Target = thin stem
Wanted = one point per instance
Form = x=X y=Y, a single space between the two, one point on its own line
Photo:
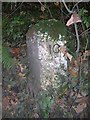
x=16 y=9
x=76 y=4
x=66 y=7
x=47 y=8
x=85 y=32
x=78 y=41
x=77 y=35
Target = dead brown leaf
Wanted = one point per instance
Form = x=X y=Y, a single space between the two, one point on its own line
x=80 y=107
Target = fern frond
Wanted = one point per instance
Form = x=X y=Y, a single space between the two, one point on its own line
x=7 y=60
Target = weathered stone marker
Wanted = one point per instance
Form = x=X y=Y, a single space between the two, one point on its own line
x=41 y=60
x=33 y=61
